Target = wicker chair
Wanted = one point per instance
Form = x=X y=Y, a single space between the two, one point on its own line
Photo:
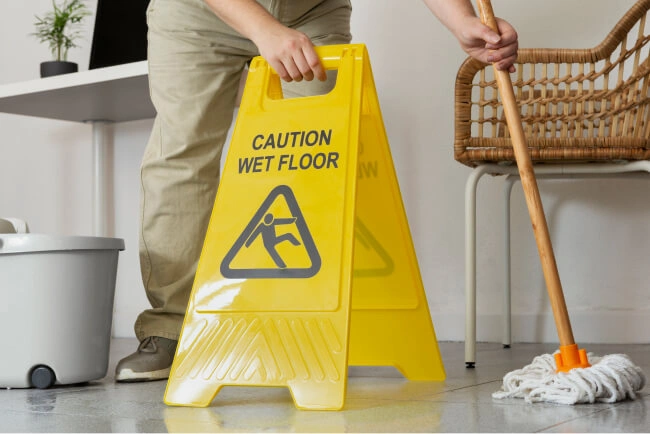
x=584 y=112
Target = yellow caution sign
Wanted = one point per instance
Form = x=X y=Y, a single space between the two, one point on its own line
x=308 y=264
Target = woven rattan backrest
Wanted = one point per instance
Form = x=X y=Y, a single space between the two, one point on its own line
x=576 y=105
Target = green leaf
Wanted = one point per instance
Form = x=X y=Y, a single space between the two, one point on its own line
x=59 y=27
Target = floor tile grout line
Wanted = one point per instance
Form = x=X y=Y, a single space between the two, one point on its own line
x=583 y=416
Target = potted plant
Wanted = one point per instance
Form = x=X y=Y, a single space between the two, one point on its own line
x=59 y=28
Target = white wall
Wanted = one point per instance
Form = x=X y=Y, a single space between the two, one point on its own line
x=600 y=228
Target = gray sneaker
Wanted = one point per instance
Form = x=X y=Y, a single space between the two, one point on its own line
x=152 y=361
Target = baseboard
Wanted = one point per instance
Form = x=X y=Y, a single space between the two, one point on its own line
x=618 y=327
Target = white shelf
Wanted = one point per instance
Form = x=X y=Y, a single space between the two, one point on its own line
x=99 y=96
x=115 y=94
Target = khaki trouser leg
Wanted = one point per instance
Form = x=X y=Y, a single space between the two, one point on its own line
x=195 y=63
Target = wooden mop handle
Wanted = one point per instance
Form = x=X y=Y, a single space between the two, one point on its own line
x=531 y=192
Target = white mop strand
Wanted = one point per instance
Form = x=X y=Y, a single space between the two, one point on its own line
x=609 y=379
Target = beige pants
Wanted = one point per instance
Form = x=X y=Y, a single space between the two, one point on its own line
x=195 y=64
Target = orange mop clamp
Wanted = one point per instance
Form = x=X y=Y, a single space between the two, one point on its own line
x=308 y=264
x=570 y=357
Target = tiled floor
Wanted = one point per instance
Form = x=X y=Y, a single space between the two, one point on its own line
x=378 y=400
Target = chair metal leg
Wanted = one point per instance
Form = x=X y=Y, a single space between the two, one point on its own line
x=507 y=306
x=470 y=264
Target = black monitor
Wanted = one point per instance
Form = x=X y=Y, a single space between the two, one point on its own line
x=120 y=34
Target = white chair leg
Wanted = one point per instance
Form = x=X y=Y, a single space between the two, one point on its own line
x=470 y=264
x=507 y=306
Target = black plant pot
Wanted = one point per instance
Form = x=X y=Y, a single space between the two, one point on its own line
x=55 y=67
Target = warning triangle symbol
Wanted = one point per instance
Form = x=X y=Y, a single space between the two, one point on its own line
x=274 y=232
x=371 y=259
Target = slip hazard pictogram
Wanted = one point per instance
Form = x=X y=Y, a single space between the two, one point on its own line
x=277 y=230
x=372 y=259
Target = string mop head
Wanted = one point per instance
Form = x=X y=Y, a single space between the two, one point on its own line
x=608 y=379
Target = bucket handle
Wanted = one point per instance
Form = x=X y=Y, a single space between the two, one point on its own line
x=13 y=225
